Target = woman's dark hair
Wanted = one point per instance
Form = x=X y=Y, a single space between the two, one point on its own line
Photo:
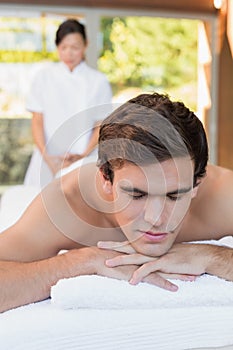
x=151 y=128
x=68 y=27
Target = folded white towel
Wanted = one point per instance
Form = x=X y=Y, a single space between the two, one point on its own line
x=106 y=293
x=99 y=292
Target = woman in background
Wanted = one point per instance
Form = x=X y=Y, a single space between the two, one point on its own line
x=63 y=128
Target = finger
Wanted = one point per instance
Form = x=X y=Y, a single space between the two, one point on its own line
x=131 y=259
x=159 y=281
x=143 y=271
x=123 y=247
x=177 y=276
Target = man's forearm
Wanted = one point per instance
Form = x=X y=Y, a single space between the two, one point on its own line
x=221 y=262
x=24 y=283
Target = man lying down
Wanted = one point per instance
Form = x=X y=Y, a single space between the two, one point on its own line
x=131 y=215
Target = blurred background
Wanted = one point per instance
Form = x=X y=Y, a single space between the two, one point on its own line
x=182 y=49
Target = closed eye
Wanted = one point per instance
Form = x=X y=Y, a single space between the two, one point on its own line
x=179 y=194
x=134 y=193
x=174 y=198
x=137 y=196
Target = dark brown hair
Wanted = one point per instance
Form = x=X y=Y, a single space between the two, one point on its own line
x=151 y=128
x=68 y=27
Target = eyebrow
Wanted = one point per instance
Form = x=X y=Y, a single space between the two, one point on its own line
x=137 y=190
x=180 y=190
x=132 y=190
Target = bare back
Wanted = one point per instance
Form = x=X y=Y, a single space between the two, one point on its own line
x=211 y=212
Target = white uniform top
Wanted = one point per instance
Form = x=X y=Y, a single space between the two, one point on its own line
x=68 y=101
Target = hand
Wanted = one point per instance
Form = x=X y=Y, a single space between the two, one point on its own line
x=71 y=158
x=155 y=276
x=191 y=259
x=54 y=163
x=184 y=259
x=93 y=262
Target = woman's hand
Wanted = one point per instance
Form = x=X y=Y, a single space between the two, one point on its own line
x=54 y=162
x=70 y=158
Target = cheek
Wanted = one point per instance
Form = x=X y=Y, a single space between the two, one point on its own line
x=130 y=212
x=79 y=53
x=177 y=211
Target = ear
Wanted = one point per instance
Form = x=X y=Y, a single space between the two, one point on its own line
x=195 y=189
x=106 y=184
x=194 y=192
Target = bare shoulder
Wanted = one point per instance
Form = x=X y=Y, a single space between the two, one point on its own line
x=38 y=234
x=215 y=198
x=219 y=182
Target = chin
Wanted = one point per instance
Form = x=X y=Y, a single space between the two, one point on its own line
x=154 y=250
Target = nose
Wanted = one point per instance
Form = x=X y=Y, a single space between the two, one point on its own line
x=154 y=210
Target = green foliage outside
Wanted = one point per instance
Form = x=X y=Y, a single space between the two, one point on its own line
x=15 y=149
x=24 y=32
x=8 y=56
x=151 y=53
x=16 y=142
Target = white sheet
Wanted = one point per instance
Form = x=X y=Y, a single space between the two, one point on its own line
x=44 y=326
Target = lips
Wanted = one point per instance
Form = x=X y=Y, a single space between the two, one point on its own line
x=155 y=237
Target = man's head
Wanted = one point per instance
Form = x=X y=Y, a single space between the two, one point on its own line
x=152 y=152
x=150 y=128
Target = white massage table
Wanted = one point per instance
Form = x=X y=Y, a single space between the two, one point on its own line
x=42 y=326
x=46 y=326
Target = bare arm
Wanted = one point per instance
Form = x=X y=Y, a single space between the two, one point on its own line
x=38 y=131
x=24 y=283
x=93 y=140
x=54 y=162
